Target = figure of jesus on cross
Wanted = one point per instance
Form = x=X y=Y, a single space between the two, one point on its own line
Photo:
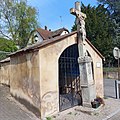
x=84 y=61
x=80 y=21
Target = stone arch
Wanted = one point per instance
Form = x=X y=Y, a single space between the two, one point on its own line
x=64 y=48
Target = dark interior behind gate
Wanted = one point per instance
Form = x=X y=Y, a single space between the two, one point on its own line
x=69 y=80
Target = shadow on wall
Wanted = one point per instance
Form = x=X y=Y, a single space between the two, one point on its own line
x=29 y=106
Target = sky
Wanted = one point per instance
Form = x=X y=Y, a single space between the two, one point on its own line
x=55 y=13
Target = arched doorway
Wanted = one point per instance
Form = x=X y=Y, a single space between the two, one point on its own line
x=69 y=80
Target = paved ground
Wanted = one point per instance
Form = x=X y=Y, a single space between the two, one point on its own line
x=12 y=110
x=110 y=111
x=115 y=117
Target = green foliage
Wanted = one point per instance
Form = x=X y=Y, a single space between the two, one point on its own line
x=17 y=20
x=113 y=6
x=6 y=46
x=3 y=56
x=111 y=69
x=99 y=29
x=48 y=118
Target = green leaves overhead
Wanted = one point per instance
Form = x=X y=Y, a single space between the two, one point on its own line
x=6 y=46
x=17 y=20
x=99 y=28
x=113 y=6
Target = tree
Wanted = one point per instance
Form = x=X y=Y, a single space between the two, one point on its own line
x=17 y=20
x=99 y=29
x=113 y=6
x=6 y=46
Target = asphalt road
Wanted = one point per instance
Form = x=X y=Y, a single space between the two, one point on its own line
x=109 y=88
x=109 y=91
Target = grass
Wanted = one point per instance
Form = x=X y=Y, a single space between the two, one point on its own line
x=48 y=118
x=112 y=69
x=70 y=113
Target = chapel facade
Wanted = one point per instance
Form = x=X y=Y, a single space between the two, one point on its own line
x=46 y=75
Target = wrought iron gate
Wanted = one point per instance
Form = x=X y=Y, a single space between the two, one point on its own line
x=69 y=80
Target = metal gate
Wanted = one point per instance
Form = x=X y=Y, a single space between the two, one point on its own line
x=69 y=80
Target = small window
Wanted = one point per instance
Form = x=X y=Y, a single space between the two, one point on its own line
x=35 y=38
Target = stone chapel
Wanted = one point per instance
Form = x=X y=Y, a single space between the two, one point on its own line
x=46 y=74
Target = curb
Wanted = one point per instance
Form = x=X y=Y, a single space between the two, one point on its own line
x=90 y=111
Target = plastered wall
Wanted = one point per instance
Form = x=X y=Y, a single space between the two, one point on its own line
x=98 y=70
x=25 y=78
x=35 y=75
x=5 y=73
x=49 y=74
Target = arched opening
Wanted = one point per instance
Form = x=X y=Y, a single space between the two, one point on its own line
x=69 y=78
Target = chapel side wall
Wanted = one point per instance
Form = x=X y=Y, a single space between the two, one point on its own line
x=24 y=79
x=49 y=75
x=98 y=70
x=5 y=73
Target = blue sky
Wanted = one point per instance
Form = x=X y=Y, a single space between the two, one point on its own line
x=55 y=14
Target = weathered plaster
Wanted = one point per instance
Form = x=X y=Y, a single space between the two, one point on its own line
x=35 y=75
x=49 y=57
x=5 y=73
x=98 y=71
x=49 y=103
x=24 y=79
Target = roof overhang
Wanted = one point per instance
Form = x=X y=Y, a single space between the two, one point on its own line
x=53 y=40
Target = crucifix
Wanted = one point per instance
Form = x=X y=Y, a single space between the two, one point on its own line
x=80 y=22
x=85 y=67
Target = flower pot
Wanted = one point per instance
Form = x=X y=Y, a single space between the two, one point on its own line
x=95 y=104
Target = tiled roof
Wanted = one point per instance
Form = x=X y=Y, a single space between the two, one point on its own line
x=5 y=60
x=58 y=32
x=52 y=40
x=45 y=34
x=43 y=43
